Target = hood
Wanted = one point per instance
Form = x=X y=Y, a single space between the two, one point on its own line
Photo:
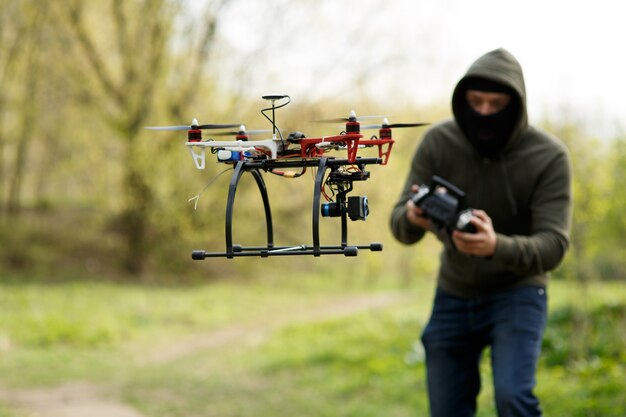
x=501 y=67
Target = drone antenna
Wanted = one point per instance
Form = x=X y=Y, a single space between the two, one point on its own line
x=196 y=198
x=273 y=98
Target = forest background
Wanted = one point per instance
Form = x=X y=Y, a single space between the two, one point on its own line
x=88 y=196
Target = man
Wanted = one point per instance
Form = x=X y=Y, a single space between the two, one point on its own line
x=491 y=286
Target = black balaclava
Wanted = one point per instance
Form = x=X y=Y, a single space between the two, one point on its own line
x=488 y=134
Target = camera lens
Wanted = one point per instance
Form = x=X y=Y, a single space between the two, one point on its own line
x=330 y=210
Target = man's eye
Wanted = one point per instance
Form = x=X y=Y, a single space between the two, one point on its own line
x=499 y=105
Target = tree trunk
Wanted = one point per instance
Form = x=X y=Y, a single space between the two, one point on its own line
x=136 y=213
x=28 y=122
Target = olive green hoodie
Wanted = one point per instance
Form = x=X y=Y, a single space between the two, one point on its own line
x=525 y=189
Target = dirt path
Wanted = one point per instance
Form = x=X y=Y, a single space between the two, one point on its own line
x=256 y=332
x=85 y=399
x=75 y=399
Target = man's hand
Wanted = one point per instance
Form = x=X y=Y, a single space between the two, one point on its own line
x=481 y=243
x=414 y=214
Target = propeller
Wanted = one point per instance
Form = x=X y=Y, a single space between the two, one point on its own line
x=242 y=131
x=194 y=126
x=352 y=118
x=388 y=125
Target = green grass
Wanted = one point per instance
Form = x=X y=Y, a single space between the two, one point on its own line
x=284 y=351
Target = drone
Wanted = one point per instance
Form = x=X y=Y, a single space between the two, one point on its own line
x=334 y=178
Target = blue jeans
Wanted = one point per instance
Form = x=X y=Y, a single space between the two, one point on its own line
x=512 y=324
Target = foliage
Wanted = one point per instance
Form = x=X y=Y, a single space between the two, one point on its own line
x=288 y=345
x=598 y=199
x=588 y=368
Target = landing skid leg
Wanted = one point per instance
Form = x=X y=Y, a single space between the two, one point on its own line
x=271 y=249
x=232 y=189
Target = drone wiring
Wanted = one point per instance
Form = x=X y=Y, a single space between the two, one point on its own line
x=213 y=150
x=325 y=194
x=211 y=181
x=288 y=174
x=333 y=187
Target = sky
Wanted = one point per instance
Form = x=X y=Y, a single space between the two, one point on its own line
x=415 y=51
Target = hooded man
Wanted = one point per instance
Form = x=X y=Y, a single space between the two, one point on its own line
x=491 y=285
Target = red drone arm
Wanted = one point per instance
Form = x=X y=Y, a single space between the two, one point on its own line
x=309 y=148
x=384 y=143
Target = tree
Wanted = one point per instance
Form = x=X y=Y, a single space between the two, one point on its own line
x=122 y=72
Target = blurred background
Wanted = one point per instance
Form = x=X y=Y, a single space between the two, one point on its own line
x=96 y=222
x=81 y=81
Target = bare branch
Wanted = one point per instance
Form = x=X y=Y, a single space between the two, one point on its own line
x=156 y=35
x=123 y=39
x=10 y=49
x=75 y=20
